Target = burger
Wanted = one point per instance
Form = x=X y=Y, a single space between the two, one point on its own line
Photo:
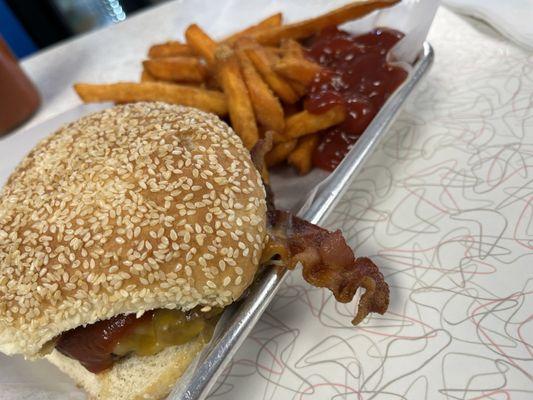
x=125 y=234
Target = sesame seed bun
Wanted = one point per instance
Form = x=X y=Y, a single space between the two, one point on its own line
x=137 y=207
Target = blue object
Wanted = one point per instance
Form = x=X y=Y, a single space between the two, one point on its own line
x=13 y=32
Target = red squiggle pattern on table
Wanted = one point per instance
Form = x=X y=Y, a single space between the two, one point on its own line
x=445 y=207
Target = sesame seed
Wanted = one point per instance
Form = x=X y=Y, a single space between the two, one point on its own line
x=200 y=239
x=186 y=236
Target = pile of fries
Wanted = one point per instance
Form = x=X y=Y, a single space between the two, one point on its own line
x=257 y=77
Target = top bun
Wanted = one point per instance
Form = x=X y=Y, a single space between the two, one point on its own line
x=137 y=207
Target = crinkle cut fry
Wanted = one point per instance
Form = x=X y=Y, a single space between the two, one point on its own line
x=329 y=262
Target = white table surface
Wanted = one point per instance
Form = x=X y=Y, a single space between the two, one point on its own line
x=445 y=206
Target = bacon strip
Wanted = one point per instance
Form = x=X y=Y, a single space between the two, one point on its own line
x=258 y=153
x=327 y=262
x=326 y=259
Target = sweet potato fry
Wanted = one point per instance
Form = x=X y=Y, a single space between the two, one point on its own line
x=304 y=122
x=303 y=29
x=301 y=156
x=299 y=88
x=273 y=54
x=201 y=43
x=297 y=69
x=280 y=152
x=147 y=77
x=279 y=138
x=239 y=104
x=268 y=109
x=292 y=64
x=269 y=22
x=169 y=49
x=179 y=69
x=290 y=47
x=260 y=59
x=127 y=92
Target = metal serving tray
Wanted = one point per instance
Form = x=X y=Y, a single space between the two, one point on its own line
x=239 y=319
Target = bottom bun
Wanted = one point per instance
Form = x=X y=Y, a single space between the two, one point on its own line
x=150 y=377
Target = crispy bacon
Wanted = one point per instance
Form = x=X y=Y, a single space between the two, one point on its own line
x=326 y=259
x=328 y=262
x=258 y=153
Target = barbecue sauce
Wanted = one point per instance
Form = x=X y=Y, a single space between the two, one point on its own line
x=356 y=76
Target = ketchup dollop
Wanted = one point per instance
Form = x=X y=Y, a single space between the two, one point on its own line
x=92 y=345
x=357 y=76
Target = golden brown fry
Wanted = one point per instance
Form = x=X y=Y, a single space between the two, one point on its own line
x=303 y=29
x=290 y=47
x=269 y=22
x=201 y=43
x=297 y=69
x=261 y=61
x=239 y=104
x=268 y=109
x=127 y=92
x=299 y=88
x=179 y=69
x=301 y=156
x=274 y=57
x=279 y=137
x=280 y=152
x=304 y=122
x=147 y=77
x=169 y=49
x=273 y=54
